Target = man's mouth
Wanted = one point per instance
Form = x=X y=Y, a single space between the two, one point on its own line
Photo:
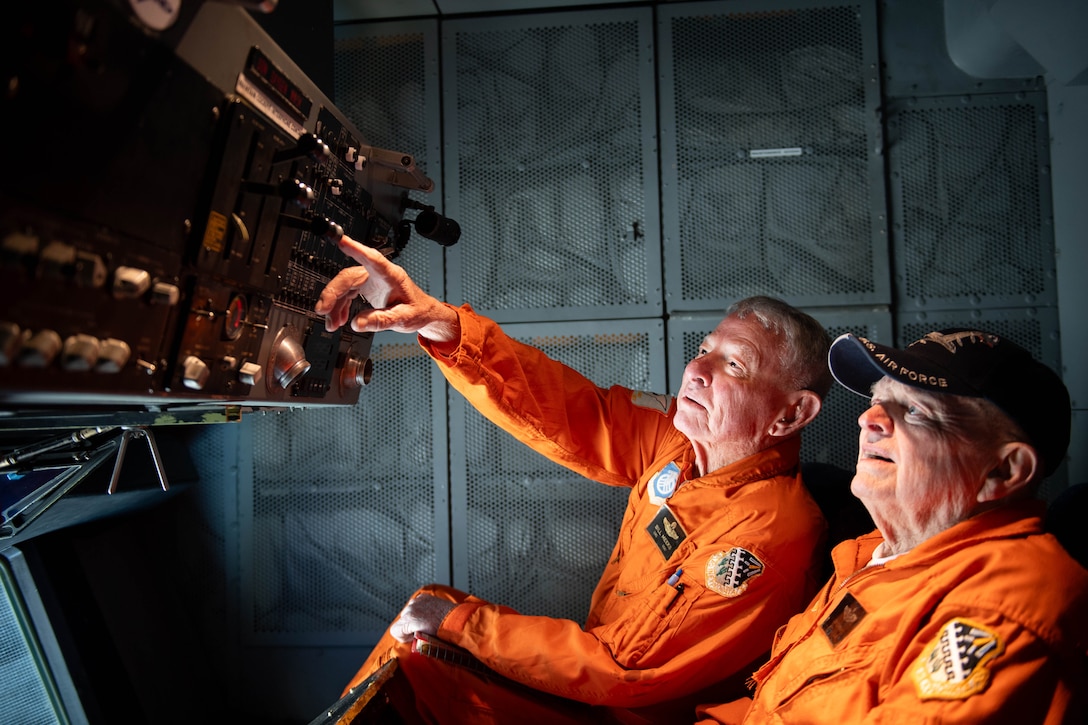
x=693 y=401
x=875 y=456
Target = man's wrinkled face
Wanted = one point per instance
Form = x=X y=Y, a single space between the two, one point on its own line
x=734 y=388
x=921 y=461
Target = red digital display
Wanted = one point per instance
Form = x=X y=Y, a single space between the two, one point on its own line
x=277 y=85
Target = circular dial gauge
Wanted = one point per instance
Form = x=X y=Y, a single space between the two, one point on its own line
x=235 y=317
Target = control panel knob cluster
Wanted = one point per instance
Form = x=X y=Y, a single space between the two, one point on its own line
x=76 y=353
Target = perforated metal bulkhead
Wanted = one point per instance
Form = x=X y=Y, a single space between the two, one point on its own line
x=551 y=167
x=970 y=196
x=536 y=535
x=769 y=122
x=344 y=504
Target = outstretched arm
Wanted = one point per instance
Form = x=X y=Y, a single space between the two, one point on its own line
x=398 y=302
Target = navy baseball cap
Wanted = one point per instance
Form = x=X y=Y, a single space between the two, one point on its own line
x=972 y=363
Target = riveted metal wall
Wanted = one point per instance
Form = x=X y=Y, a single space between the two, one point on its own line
x=971 y=202
x=387 y=83
x=772 y=179
x=551 y=164
x=833 y=436
x=527 y=532
x=348 y=508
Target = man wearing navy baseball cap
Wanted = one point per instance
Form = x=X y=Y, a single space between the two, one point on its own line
x=959 y=608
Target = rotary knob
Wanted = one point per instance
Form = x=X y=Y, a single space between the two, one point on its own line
x=90 y=270
x=288 y=362
x=113 y=355
x=41 y=349
x=11 y=340
x=80 y=352
x=57 y=261
x=194 y=373
x=165 y=294
x=356 y=373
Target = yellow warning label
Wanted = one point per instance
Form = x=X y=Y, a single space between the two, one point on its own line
x=215 y=232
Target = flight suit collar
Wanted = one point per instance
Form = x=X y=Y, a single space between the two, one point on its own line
x=777 y=460
x=1015 y=519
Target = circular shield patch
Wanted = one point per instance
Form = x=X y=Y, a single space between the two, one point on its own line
x=728 y=572
x=663 y=484
x=955 y=665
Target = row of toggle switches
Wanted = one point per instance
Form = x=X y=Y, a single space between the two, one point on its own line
x=60 y=261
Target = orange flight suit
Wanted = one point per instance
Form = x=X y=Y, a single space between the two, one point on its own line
x=745 y=540
x=984 y=622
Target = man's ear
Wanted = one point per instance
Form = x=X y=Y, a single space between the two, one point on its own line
x=803 y=408
x=1017 y=465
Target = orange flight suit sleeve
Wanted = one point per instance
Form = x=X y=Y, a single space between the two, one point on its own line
x=1026 y=681
x=641 y=658
x=548 y=406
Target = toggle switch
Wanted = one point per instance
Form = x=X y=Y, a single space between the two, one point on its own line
x=130 y=283
x=250 y=373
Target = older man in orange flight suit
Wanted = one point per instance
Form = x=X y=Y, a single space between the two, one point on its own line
x=959 y=608
x=715 y=551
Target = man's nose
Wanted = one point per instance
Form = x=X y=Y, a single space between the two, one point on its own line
x=697 y=371
x=875 y=418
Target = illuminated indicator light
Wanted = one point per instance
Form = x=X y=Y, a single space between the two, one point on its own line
x=235 y=317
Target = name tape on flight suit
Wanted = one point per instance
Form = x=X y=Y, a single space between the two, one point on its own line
x=955 y=665
x=843 y=619
x=666 y=532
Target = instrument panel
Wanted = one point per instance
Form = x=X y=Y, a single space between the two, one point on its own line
x=170 y=211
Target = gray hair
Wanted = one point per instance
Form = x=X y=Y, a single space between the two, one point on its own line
x=802 y=341
x=989 y=425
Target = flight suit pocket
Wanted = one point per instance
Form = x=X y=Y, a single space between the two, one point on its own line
x=646 y=621
x=828 y=680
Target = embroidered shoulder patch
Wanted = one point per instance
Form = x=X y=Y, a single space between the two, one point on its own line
x=728 y=572
x=663 y=485
x=955 y=665
x=653 y=401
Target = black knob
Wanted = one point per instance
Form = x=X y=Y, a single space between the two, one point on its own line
x=309 y=144
x=327 y=229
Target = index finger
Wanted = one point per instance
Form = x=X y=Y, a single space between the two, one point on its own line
x=361 y=252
